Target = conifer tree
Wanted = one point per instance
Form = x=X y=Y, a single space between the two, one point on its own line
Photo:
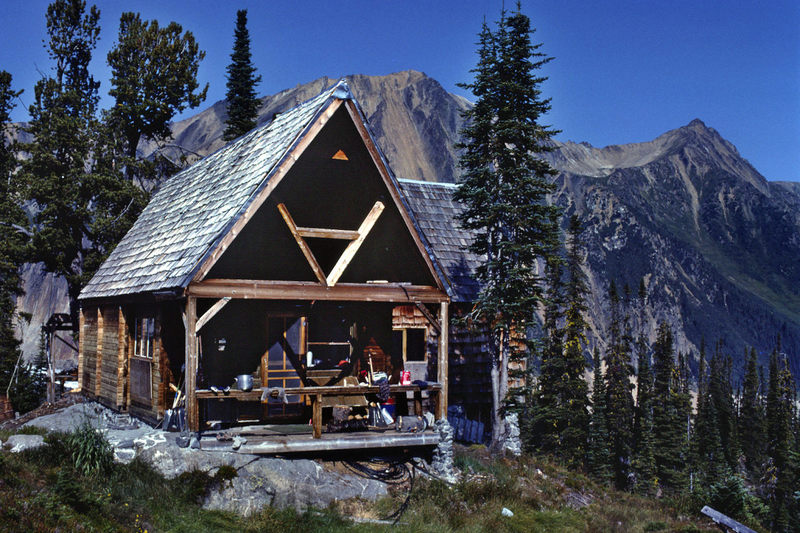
x=782 y=474
x=13 y=237
x=548 y=420
x=63 y=125
x=504 y=190
x=643 y=457
x=751 y=418
x=619 y=400
x=241 y=95
x=153 y=77
x=598 y=457
x=708 y=462
x=561 y=416
x=576 y=399
x=670 y=427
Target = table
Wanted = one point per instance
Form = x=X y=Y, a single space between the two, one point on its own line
x=318 y=392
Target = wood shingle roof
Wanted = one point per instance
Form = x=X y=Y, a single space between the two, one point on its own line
x=194 y=208
x=436 y=214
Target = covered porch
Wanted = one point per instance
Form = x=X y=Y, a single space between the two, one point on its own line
x=308 y=349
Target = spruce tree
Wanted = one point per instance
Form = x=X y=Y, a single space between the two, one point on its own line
x=241 y=95
x=751 y=418
x=548 y=419
x=619 y=400
x=668 y=421
x=561 y=415
x=782 y=474
x=13 y=237
x=598 y=457
x=576 y=397
x=504 y=190
x=643 y=455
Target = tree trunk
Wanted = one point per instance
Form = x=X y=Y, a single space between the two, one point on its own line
x=499 y=375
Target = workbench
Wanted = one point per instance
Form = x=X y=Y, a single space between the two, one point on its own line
x=317 y=393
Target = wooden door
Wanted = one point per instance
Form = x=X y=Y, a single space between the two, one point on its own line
x=286 y=344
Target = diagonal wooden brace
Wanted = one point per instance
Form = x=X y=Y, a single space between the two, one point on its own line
x=213 y=310
x=354 y=245
x=301 y=242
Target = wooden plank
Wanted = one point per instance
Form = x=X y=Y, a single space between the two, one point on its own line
x=309 y=290
x=192 y=419
x=325 y=233
x=349 y=252
x=122 y=360
x=99 y=354
x=159 y=396
x=443 y=359
x=724 y=520
x=81 y=349
x=391 y=186
x=305 y=443
x=301 y=242
x=275 y=178
x=213 y=310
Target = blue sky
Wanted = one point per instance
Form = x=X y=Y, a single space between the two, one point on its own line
x=625 y=71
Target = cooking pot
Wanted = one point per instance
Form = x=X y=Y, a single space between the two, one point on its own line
x=244 y=382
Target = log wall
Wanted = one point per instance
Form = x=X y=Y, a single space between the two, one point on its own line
x=109 y=357
x=89 y=345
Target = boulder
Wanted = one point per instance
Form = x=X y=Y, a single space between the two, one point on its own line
x=18 y=443
x=298 y=483
x=70 y=418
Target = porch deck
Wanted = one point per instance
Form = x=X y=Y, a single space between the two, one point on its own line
x=296 y=438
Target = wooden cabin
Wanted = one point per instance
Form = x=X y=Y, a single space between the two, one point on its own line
x=289 y=255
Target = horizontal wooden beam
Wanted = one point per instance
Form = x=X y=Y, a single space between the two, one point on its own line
x=309 y=290
x=325 y=233
x=312 y=261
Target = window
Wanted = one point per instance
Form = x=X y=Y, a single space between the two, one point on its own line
x=144 y=336
x=410 y=342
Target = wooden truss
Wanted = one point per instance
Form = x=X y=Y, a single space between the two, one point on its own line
x=356 y=239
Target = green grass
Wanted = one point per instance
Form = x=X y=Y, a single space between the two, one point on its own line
x=41 y=490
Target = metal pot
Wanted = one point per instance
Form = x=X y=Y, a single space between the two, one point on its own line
x=244 y=382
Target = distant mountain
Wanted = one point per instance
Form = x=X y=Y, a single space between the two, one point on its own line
x=421 y=119
x=717 y=245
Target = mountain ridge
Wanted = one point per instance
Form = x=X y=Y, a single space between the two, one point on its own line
x=716 y=243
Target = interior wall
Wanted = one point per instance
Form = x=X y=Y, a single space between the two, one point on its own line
x=323 y=192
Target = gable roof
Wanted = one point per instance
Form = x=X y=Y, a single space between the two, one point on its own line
x=436 y=214
x=190 y=215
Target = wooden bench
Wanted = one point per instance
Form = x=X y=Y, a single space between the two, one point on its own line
x=316 y=394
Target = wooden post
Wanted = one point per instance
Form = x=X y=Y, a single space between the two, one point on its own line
x=444 y=321
x=192 y=419
x=316 y=417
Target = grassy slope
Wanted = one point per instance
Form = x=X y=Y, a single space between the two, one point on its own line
x=40 y=491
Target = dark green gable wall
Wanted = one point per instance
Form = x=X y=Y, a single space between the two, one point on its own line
x=322 y=192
